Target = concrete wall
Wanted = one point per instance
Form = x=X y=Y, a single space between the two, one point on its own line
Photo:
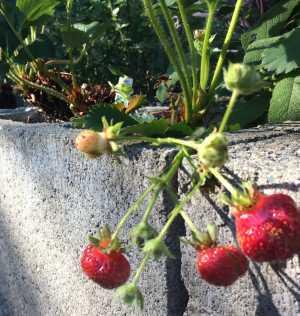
x=270 y=157
x=51 y=198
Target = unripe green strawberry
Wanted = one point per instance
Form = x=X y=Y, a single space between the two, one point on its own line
x=243 y=78
x=213 y=150
x=92 y=143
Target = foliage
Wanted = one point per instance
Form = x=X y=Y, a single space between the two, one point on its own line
x=273 y=47
x=127 y=46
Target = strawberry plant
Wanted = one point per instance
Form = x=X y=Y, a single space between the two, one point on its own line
x=267 y=226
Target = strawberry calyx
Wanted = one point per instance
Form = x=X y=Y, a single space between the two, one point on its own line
x=105 y=242
x=203 y=240
x=143 y=232
x=241 y=199
x=157 y=248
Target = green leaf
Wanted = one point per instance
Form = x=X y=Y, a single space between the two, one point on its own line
x=73 y=38
x=272 y=23
x=42 y=48
x=285 y=102
x=248 y=111
x=93 y=29
x=283 y=56
x=255 y=50
x=160 y=127
x=151 y=129
x=179 y=130
x=32 y=10
x=93 y=119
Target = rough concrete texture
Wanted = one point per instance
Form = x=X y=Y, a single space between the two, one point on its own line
x=51 y=198
x=268 y=156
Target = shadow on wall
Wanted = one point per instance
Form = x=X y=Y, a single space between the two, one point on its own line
x=265 y=303
x=16 y=285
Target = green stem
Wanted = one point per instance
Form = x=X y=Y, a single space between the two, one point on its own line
x=172 y=57
x=166 y=180
x=69 y=8
x=190 y=223
x=176 y=41
x=132 y=209
x=151 y=205
x=72 y=68
x=205 y=54
x=227 y=185
x=227 y=41
x=176 y=211
x=232 y=102
x=158 y=141
x=190 y=39
x=140 y=269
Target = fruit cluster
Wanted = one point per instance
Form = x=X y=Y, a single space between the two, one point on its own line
x=267 y=226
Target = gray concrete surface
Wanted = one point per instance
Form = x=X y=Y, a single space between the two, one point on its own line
x=270 y=157
x=51 y=198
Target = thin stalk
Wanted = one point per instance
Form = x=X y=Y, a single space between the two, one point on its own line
x=227 y=185
x=205 y=54
x=166 y=180
x=158 y=141
x=140 y=269
x=172 y=57
x=190 y=40
x=72 y=68
x=176 y=41
x=69 y=9
x=151 y=205
x=190 y=223
x=176 y=211
x=227 y=41
x=132 y=209
x=232 y=102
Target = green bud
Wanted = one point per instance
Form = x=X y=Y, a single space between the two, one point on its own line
x=142 y=233
x=243 y=78
x=213 y=151
x=157 y=248
x=131 y=295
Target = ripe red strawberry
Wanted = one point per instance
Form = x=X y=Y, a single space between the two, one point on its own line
x=221 y=265
x=270 y=229
x=107 y=267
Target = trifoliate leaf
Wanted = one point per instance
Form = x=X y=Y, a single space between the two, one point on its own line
x=285 y=102
x=283 y=56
